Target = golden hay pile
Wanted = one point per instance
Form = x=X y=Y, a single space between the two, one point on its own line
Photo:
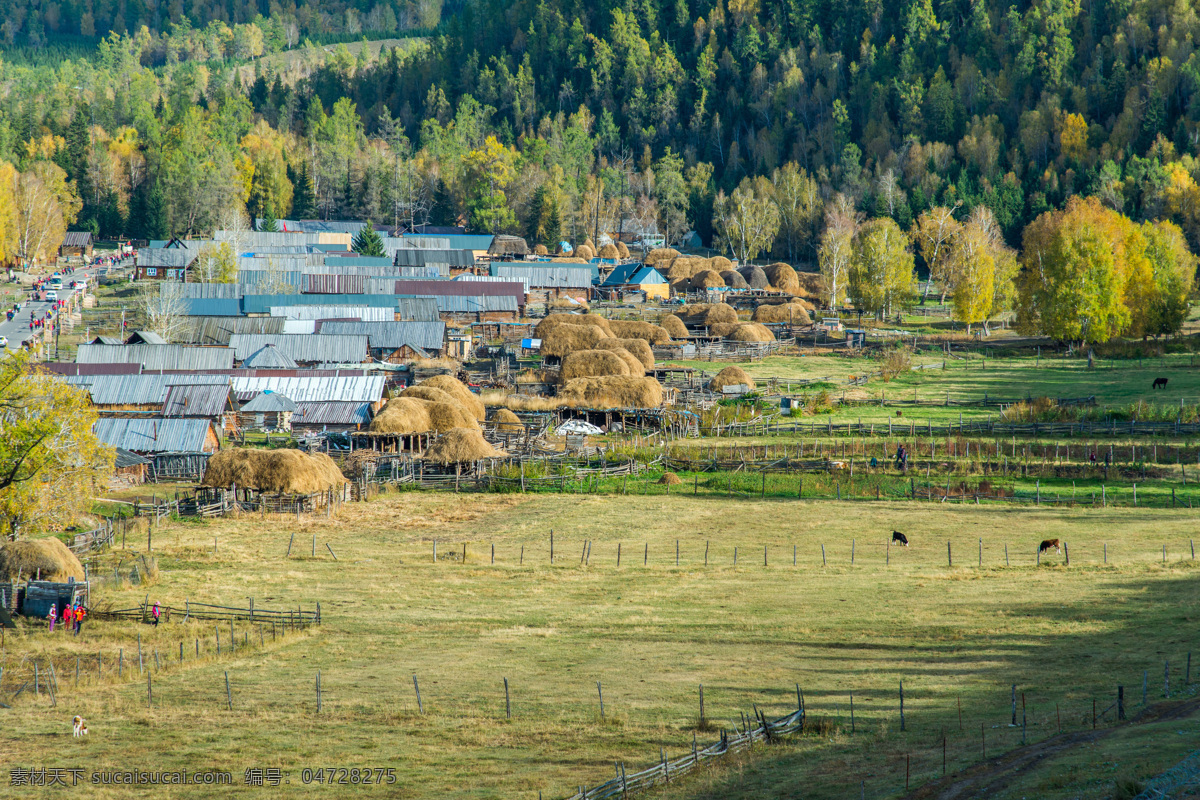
x=588 y=243
x=707 y=279
x=708 y=313
x=720 y=263
x=783 y=277
x=24 y=559
x=750 y=332
x=674 y=326
x=612 y=392
x=670 y=479
x=540 y=250
x=402 y=415
x=460 y=392
x=430 y=393
x=722 y=329
x=507 y=422
x=811 y=284
x=734 y=280
x=793 y=312
x=568 y=303
x=593 y=363
x=569 y=260
x=660 y=255
x=683 y=268
x=585 y=253
x=635 y=329
x=609 y=251
x=622 y=250
x=638 y=348
x=554 y=320
x=460 y=446
x=730 y=376
x=616 y=347
x=444 y=416
x=275 y=471
x=756 y=277
x=565 y=339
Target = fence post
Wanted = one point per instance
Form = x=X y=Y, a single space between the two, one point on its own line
x=702 y=705
x=901 y=705
x=949 y=557
x=600 y=692
x=228 y=692
x=507 y=704
x=1120 y=702
x=417 y=689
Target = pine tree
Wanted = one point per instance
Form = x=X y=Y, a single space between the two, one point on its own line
x=268 y=222
x=135 y=225
x=155 y=219
x=368 y=242
x=304 y=198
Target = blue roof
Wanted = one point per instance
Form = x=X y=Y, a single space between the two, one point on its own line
x=458 y=241
x=358 y=261
x=213 y=306
x=626 y=274
x=261 y=303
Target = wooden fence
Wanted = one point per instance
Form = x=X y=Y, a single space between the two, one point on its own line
x=771 y=426
x=293 y=618
x=95 y=539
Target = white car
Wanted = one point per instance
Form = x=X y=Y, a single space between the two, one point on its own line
x=51 y=296
x=3 y=341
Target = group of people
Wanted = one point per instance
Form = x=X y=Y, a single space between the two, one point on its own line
x=902 y=458
x=72 y=616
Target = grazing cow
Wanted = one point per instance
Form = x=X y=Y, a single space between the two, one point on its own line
x=1048 y=545
x=899 y=413
x=1159 y=383
x=899 y=538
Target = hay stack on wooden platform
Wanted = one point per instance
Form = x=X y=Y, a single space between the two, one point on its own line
x=783 y=277
x=638 y=348
x=682 y=268
x=734 y=279
x=444 y=416
x=461 y=446
x=708 y=313
x=609 y=251
x=569 y=260
x=275 y=471
x=50 y=556
x=636 y=329
x=430 y=393
x=722 y=329
x=750 y=332
x=756 y=277
x=554 y=320
x=541 y=250
x=730 y=376
x=507 y=422
x=720 y=263
x=460 y=392
x=674 y=326
x=793 y=312
x=612 y=392
x=660 y=255
x=622 y=250
x=594 y=364
x=402 y=416
x=564 y=339
x=707 y=279
x=585 y=253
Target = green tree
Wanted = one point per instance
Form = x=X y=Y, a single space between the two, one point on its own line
x=881 y=278
x=489 y=169
x=304 y=199
x=368 y=242
x=798 y=197
x=671 y=196
x=746 y=221
x=1174 y=268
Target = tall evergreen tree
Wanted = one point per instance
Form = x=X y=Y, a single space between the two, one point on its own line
x=304 y=198
x=268 y=222
x=368 y=242
x=155 y=220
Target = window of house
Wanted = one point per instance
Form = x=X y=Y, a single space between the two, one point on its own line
x=151 y=272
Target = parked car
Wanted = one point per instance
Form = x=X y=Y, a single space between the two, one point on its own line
x=51 y=296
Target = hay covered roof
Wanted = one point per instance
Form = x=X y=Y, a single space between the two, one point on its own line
x=274 y=471
x=461 y=445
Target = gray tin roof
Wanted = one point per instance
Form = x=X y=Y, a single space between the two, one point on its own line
x=302 y=348
x=154 y=435
x=157 y=356
x=392 y=335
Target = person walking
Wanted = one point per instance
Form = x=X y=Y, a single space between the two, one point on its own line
x=155 y=613
x=80 y=613
x=53 y=615
x=68 y=617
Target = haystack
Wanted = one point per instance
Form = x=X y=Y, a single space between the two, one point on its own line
x=564 y=339
x=730 y=376
x=569 y=260
x=541 y=250
x=793 y=312
x=670 y=479
x=584 y=252
x=430 y=393
x=507 y=422
x=720 y=263
x=635 y=329
x=684 y=267
x=275 y=471
x=707 y=279
x=50 y=556
x=401 y=415
x=594 y=363
x=734 y=280
x=811 y=284
x=674 y=326
x=588 y=243
x=461 y=446
x=446 y=416
x=622 y=250
x=609 y=251
x=750 y=332
x=756 y=277
x=708 y=313
x=638 y=348
x=659 y=255
x=555 y=320
x=612 y=392
x=460 y=392
x=783 y=277
x=722 y=329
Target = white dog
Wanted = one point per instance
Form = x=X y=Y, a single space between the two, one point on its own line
x=79 y=726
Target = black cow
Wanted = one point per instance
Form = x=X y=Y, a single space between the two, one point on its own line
x=1159 y=383
x=899 y=538
x=1049 y=544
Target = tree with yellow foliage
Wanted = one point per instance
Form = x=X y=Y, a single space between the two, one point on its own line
x=1174 y=268
x=489 y=169
x=1072 y=139
x=46 y=204
x=8 y=212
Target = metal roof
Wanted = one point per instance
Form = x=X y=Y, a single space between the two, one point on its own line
x=291 y=278
x=417 y=309
x=332 y=283
x=300 y=348
x=270 y=402
x=262 y=303
x=145 y=337
x=212 y=306
x=128 y=458
x=457 y=304
x=269 y=357
x=196 y=400
x=217 y=330
x=632 y=273
x=154 y=435
x=68 y=369
x=419 y=257
x=314 y=312
x=250 y=239
x=157 y=356
x=314 y=389
x=165 y=257
x=336 y=413
x=321 y=225
x=392 y=335
x=139 y=390
x=77 y=239
x=215 y=289
x=452 y=241
x=419 y=288
x=358 y=261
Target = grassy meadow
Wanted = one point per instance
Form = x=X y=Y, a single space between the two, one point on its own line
x=649 y=631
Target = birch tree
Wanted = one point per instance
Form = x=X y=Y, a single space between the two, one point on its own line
x=747 y=220
x=881 y=271
x=836 y=252
x=164 y=307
